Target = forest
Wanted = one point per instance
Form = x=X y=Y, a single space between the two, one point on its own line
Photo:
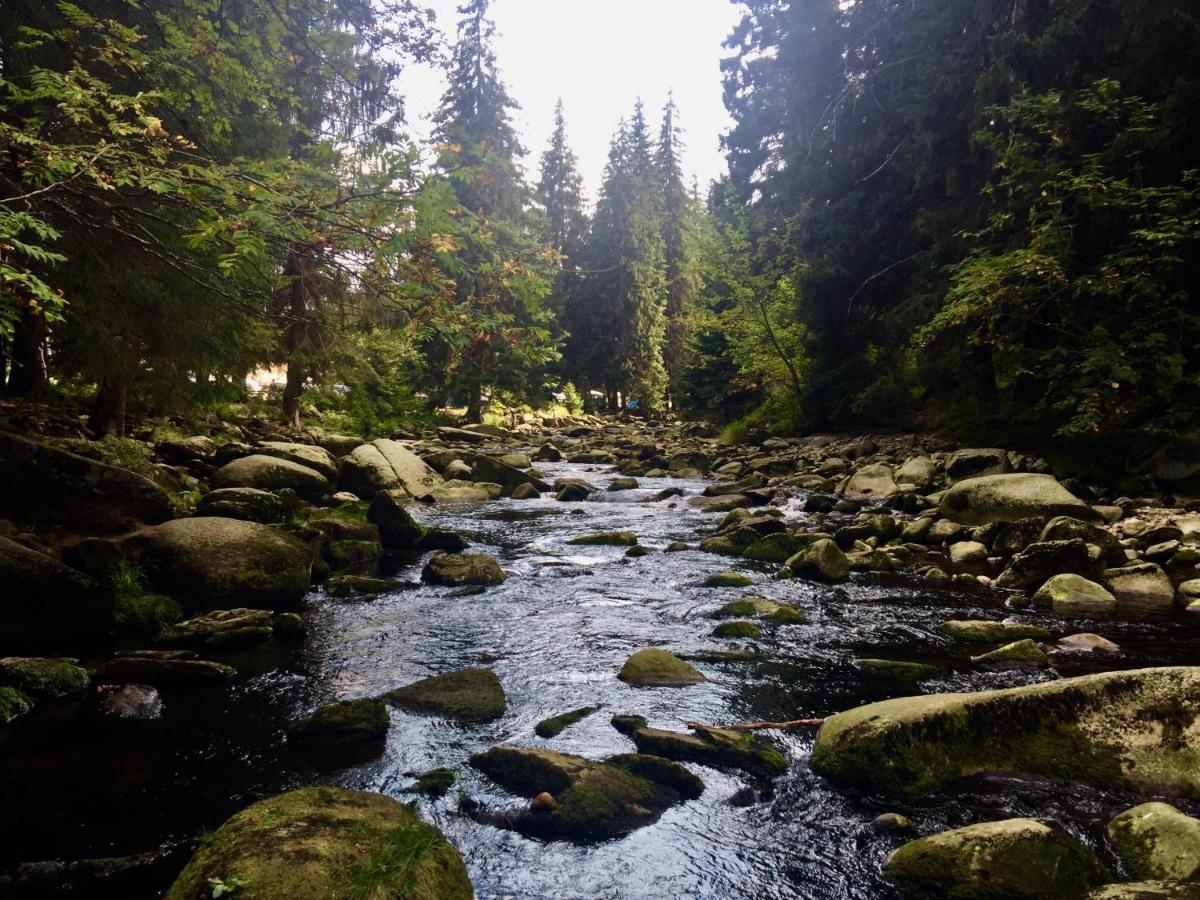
x=378 y=501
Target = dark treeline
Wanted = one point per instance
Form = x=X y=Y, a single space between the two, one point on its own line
x=977 y=216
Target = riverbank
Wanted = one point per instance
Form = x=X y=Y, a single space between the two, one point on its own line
x=137 y=787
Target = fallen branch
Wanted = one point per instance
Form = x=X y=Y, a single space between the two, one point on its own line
x=758 y=726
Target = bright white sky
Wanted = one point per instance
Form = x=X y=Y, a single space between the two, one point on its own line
x=599 y=56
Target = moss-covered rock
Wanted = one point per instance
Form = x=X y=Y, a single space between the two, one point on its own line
x=245 y=503
x=555 y=725
x=728 y=580
x=1010 y=498
x=1147 y=890
x=718 y=747
x=1030 y=568
x=655 y=667
x=778 y=547
x=341 y=724
x=43 y=678
x=897 y=670
x=223 y=627
x=267 y=473
x=491 y=469
x=740 y=629
x=761 y=608
x=591 y=800
x=1136 y=730
x=146 y=613
x=606 y=539
x=462 y=569
x=215 y=563
x=348 y=585
x=385 y=465
x=167 y=668
x=996 y=861
x=1155 y=840
x=1017 y=654
x=1073 y=594
x=322 y=842
x=983 y=631
x=468 y=695
x=12 y=704
x=313 y=457
x=342 y=554
x=623 y=484
x=435 y=782
x=822 y=560
x=1141 y=586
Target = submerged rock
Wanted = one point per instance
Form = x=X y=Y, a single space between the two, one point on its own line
x=435 y=783
x=728 y=580
x=719 y=747
x=1155 y=840
x=898 y=670
x=761 y=608
x=321 y=842
x=982 y=631
x=342 y=724
x=468 y=695
x=587 y=800
x=654 y=667
x=737 y=630
x=1010 y=858
x=606 y=539
x=1132 y=730
x=216 y=563
x=555 y=725
x=1010 y=498
x=458 y=569
x=130 y=701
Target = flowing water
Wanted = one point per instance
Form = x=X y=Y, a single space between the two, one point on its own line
x=73 y=785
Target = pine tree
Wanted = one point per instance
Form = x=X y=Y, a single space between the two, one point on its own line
x=560 y=190
x=678 y=233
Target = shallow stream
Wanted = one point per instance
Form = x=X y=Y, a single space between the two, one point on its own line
x=74 y=785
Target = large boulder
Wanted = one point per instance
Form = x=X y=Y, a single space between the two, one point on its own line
x=45 y=600
x=976 y=462
x=247 y=504
x=459 y=569
x=1133 y=730
x=591 y=800
x=874 y=480
x=305 y=454
x=386 y=465
x=993 y=860
x=269 y=473
x=321 y=842
x=397 y=528
x=822 y=560
x=1074 y=594
x=494 y=471
x=468 y=695
x=215 y=563
x=1030 y=568
x=1141 y=586
x=1010 y=498
x=341 y=724
x=919 y=471
x=655 y=667
x=1155 y=840
x=46 y=486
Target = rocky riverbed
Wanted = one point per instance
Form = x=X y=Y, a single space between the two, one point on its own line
x=535 y=636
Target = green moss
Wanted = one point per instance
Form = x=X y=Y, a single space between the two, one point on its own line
x=727 y=580
x=777 y=547
x=345 y=585
x=12 y=704
x=316 y=843
x=1156 y=840
x=43 y=678
x=146 y=613
x=435 y=782
x=555 y=725
x=720 y=747
x=341 y=724
x=980 y=631
x=468 y=695
x=606 y=539
x=758 y=607
x=1018 y=653
x=654 y=667
x=347 y=553
x=737 y=630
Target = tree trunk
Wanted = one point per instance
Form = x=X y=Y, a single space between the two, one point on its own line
x=297 y=312
x=28 y=355
x=474 y=400
x=108 y=409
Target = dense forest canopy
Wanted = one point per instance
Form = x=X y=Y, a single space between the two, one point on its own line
x=968 y=215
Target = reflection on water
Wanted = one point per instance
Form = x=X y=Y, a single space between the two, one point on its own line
x=556 y=633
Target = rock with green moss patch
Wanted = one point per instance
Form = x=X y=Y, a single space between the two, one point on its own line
x=983 y=631
x=897 y=670
x=342 y=724
x=434 y=783
x=468 y=695
x=993 y=860
x=1010 y=498
x=348 y=585
x=740 y=629
x=623 y=484
x=12 y=704
x=245 y=503
x=146 y=613
x=268 y=473
x=457 y=569
x=1015 y=655
x=822 y=560
x=592 y=800
x=778 y=547
x=555 y=725
x=321 y=842
x=223 y=627
x=728 y=580
x=606 y=539
x=342 y=554
x=655 y=667
x=1105 y=729
x=169 y=668
x=1070 y=593
x=43 y=678
x=722 y=748
x=1030 y=568
x=761 y=608
x=1156 y=840
x=1141 y=586
x=215 y=563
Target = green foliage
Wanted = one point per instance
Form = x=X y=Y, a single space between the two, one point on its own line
x=136 y=609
